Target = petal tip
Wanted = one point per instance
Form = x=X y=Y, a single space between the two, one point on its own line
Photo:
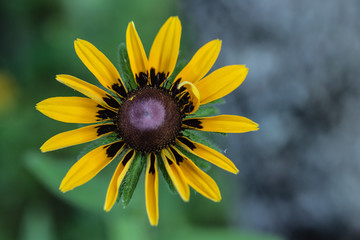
x=235 y=170
x=217 y=198
x=38 y=106
x=154 y=223
x=63 y=189
x=131 y=24
x=59 y=78
x=215 y=43
x=78 y=43
x=186 y=199
x=176 y=19
x=107 y=208
x=43 y=149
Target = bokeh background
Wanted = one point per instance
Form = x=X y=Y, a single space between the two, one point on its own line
x=299 y=174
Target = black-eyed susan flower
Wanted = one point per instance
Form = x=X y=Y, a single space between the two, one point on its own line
x=148 y=117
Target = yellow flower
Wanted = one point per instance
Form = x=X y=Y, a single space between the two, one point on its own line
x=149 y=119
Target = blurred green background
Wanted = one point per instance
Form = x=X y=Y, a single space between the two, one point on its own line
x=36 y=44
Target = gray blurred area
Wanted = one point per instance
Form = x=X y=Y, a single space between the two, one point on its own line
x=300 y=173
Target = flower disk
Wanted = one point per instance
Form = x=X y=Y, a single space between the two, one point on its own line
x=149 y=120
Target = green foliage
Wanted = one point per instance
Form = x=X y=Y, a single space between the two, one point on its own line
x=38 y=223
x=204 y=112
x=166 y=175
x=208 y=109
x=131 y=179
x=125 y=69
x=215 y=102
x=49 y=172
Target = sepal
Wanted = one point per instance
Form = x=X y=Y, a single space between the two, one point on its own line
x=131 y=179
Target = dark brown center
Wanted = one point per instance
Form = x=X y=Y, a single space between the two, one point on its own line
x=149 y=120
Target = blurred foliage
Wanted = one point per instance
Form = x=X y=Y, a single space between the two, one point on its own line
x=129 y=223
x=36 y=44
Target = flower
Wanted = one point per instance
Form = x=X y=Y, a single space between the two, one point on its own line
x=149 y=119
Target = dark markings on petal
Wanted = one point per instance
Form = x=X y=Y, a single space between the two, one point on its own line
x=173 y=89
x=187 y=142
x=169 y=161
x=119 y=89
x=152 y=163
x=181 y=92
x=127 y=157
x=142 y=79
x=188 y=108
x=104 y=113
x=152 y=75
x=157 y=79
x=177 y=156
x=103 y=129
x=184 y=99
x=113 y=149
x=182 y=89
x=195 y=123
x=111 y=101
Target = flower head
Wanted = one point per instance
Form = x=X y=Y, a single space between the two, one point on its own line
x=148 y=114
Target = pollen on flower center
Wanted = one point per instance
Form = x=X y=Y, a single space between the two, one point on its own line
x=147 y=114
x=149 y=120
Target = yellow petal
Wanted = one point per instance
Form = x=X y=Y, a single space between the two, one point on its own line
x=194 y=94
x=137 y=57
x=90 y=165
x=119 y=174
x=196 y=178
x=74 y=110
x=77 y=136
x=221 y=82
x=177 y=176
x=165 y=49
x=222 y=123
x=100 y=66
x=152 y=189
x=89 y=90
x=207 y=153
x=201 y=62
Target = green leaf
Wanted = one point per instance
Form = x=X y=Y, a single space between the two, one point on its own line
x=49 y=172
x=179 y=66
x=204 y=112
x=37 y=222
x=208 y=109
x=131 y=179
x=166 y=175
x=125 y=69
x=215 y=102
